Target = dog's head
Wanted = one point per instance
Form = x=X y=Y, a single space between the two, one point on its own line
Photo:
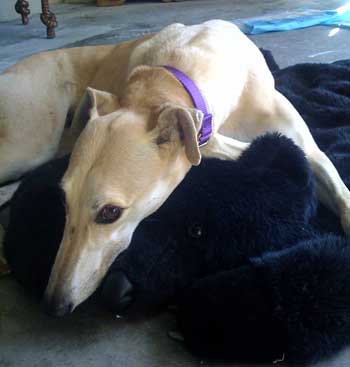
x=124 y=165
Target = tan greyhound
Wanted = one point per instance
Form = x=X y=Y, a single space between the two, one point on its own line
x=140 y=134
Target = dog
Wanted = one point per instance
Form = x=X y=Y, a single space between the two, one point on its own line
x=141 y=133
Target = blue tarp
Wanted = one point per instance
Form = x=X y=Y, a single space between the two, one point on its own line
x=339 y=17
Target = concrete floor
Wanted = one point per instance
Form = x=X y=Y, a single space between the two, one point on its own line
x=88 y=25
x=91 y=336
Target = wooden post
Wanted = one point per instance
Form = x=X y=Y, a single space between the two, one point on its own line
x=48 y=18
x=22 y=7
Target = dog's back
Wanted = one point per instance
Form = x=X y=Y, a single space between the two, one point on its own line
x=215 y=54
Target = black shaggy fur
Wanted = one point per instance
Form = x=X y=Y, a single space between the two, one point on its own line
x=37 y=218
x=291 y=305
x=303 y=291
x=257 y=270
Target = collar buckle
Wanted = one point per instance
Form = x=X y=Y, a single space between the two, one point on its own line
x=205 y=132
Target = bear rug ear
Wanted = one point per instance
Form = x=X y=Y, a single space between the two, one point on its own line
x=273 y=154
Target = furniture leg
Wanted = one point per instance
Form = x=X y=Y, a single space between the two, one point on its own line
x=22 y=7
x=48 y=18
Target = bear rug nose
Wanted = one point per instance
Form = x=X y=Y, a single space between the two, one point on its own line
x=117 y=292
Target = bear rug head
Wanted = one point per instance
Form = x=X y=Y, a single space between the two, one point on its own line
x=220 y=215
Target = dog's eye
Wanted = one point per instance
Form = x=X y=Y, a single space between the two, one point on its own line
x=108 y=214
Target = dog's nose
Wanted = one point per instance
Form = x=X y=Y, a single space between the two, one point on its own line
x=117 y=292
x=53 y=307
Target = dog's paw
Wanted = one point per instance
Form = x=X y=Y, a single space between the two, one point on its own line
x=117 y=292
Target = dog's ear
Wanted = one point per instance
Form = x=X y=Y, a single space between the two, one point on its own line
x=178 y=126
x=93 y=104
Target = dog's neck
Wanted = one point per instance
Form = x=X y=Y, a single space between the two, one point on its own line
x=148 y=88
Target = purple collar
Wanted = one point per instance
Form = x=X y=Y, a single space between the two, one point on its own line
x=198 y=102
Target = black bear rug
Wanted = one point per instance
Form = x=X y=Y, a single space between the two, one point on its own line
x=257 y=268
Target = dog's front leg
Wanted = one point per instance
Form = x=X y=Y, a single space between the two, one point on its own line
x=331 y=189
x=224 y=147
